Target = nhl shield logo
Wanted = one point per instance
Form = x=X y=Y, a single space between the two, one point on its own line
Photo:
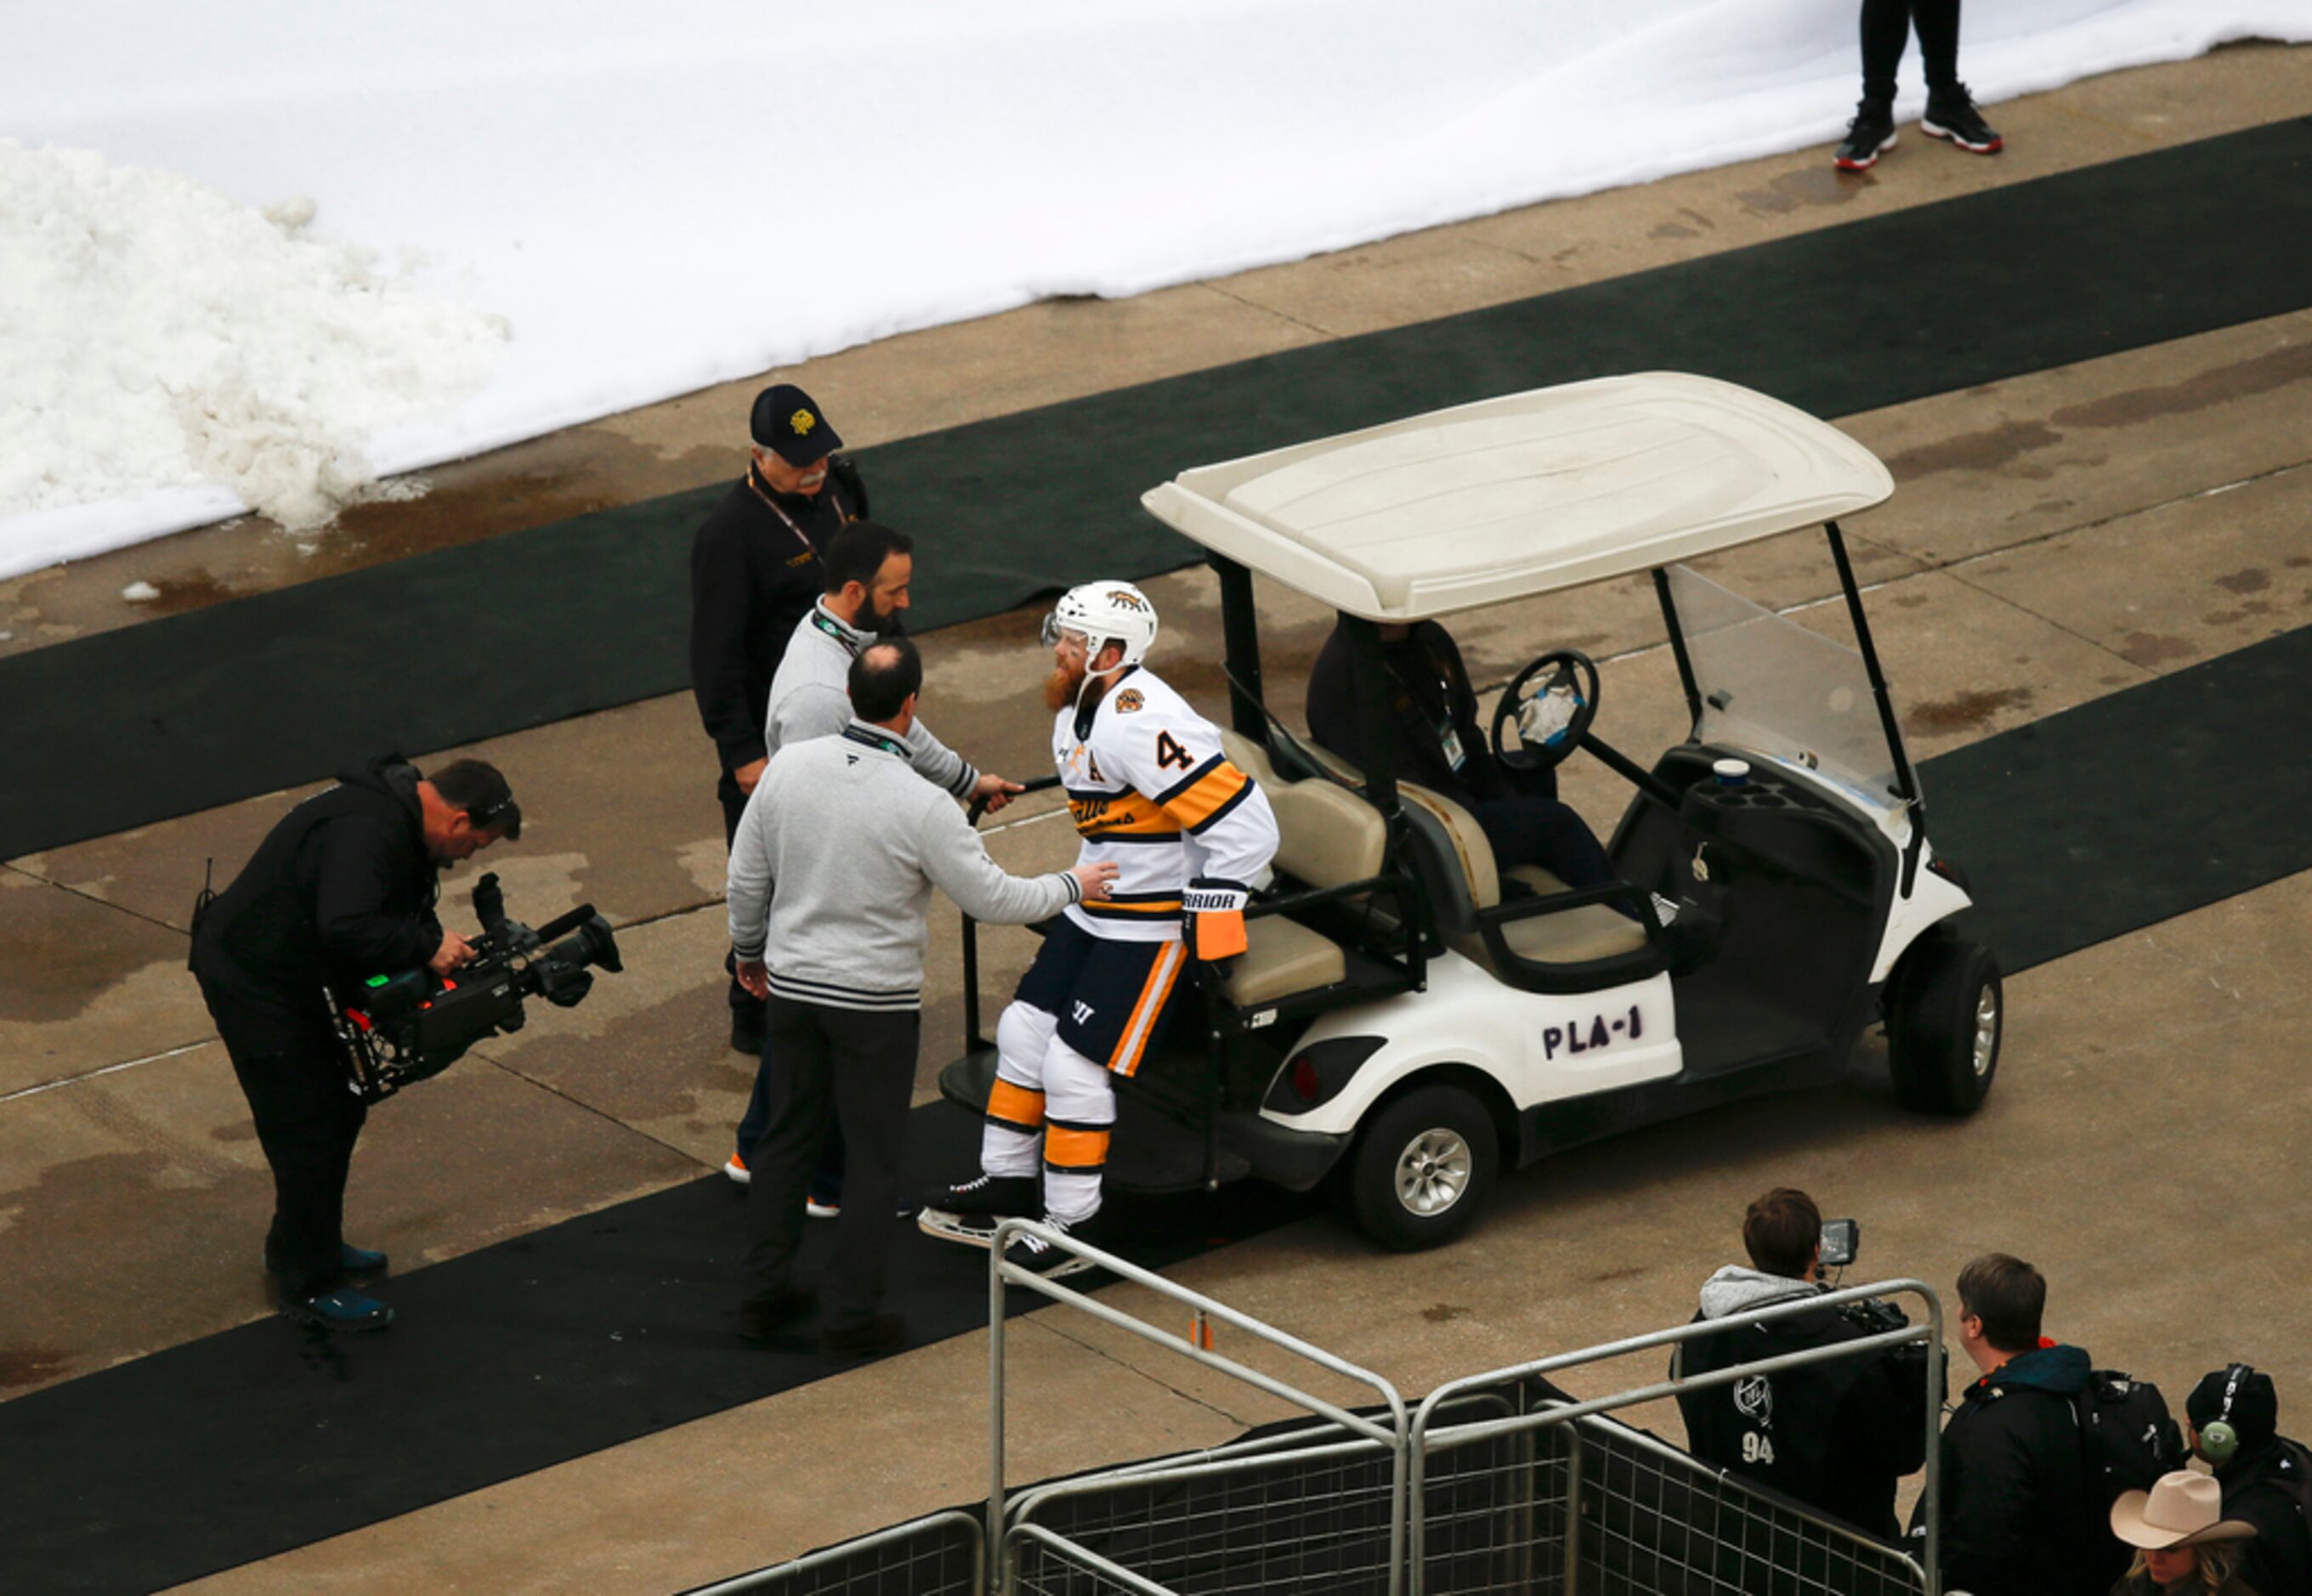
x=1755 y=1398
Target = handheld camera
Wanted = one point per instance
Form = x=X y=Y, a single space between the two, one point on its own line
x=412 y=1025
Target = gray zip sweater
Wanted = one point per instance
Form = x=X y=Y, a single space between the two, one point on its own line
x=856 y=841
x=811 y=697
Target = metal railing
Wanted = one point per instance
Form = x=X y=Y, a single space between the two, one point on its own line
x=1558 y=1520
x=1391 y=1437
x=942 y=1555
x=1039 y=1563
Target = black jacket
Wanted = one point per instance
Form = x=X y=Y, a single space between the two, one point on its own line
x=2265 y=1485
x=341 y=889
x=1835 y=1435
x=1429 y=689
x=753 y=578
x=2021 y=1515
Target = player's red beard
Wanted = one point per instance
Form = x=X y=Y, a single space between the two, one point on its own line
x=1061 y=687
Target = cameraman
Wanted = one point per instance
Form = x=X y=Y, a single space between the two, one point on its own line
x=1836 y=1435
x=342 y=889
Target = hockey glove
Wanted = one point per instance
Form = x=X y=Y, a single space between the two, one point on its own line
x=1215 y=918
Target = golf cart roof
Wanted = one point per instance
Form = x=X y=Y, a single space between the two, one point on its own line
x=1524 y=494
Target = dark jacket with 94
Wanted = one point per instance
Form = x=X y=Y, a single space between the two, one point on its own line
x=1835 y=1435
x=342 y=888
x=2021 y=1515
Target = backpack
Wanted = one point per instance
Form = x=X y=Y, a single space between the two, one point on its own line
x=2130 y=1437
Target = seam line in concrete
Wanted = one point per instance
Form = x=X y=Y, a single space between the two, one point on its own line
x=585 y=1107
x=1956 y=569
x=1132 y=1368
x=90 y=1074
x=1283 y=316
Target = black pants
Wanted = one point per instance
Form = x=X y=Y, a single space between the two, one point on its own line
x=1886 y=29
x=744 y=1004
x=308 y=1118
x=836 y=1064
x=1528 y=824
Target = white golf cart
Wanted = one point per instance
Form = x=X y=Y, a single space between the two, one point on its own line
x=1408 y=1016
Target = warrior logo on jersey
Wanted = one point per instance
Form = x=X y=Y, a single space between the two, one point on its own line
x=1128 y=701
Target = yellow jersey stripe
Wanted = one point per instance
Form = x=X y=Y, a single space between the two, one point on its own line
x=1202 y=800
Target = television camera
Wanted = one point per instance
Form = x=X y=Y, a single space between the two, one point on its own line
x=1841 y=1239
x=414 y=1024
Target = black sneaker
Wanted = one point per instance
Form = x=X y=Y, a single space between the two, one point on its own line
x=339 y=1310
x=1951 y=115
x=1870 y=135
x=868 y=1338
x=989 y=1197
x=1038 y=1256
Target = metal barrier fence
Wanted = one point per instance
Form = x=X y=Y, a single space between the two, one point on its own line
x=1039 y=1563
x=1497 y=1484
x=1671 y=1524
x=944 y=1555
x=1389 y=1451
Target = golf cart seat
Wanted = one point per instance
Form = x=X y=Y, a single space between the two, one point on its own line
x=1326 y=837
x=1574 y=937
x=1577 y=948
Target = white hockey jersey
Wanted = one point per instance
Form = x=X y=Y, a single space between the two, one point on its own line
x=1150 y=789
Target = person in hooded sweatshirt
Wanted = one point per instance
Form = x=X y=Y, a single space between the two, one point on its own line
x=342 y=889
x=1836 y=1435
x=2234 y=1414
x=2022 y=1515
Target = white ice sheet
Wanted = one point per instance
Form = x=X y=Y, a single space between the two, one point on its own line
x=659 y=197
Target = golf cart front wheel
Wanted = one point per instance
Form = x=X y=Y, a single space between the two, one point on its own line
x=1422 y=1168
x=1944 y=1021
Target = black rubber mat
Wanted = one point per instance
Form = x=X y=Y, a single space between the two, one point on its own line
x=189 y=711
x=2093 y=823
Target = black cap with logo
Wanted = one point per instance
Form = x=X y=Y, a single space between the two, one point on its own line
x=788 y=423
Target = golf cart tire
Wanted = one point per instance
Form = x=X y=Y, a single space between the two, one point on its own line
x=1439 y=1128
x=1944 y=991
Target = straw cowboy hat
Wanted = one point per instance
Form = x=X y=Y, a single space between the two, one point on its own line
x=2180 y=1509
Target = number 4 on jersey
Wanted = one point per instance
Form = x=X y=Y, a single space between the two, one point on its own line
x=1169 y=755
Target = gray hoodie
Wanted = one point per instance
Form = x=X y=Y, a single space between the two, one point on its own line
x=856 y=842
x=1737 y=1290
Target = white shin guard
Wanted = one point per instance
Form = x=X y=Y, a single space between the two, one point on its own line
x=1023 y=1036
x=1079 y=1096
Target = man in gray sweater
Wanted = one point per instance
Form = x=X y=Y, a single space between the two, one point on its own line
x=869 y=567
x=854 y=841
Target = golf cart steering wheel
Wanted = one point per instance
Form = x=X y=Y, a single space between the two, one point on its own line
x=1560 y=669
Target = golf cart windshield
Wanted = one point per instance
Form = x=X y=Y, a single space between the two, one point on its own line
x=1773 y=686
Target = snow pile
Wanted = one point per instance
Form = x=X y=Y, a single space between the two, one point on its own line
x=661 y=197
x=159 y=335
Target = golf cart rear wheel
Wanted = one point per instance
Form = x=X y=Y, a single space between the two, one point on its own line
x=1422 y=1168
x=1944 y=1020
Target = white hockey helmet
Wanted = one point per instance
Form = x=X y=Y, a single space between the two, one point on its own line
x=1105 y=612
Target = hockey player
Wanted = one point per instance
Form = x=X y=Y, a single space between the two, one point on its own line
x=1191 y=834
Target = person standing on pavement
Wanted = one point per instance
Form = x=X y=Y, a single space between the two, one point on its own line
x=1952 y=112
x=2234 y=1417
x=868 y=570
x=1838 y=1434
x=831 y=872
x=342 y=889
x=2021 y=1513
x=753 y=573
